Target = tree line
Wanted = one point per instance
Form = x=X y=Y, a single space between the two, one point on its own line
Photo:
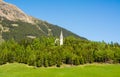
x=43 y=51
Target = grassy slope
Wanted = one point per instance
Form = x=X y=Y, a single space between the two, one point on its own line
x=27 y=29
x=21 y=70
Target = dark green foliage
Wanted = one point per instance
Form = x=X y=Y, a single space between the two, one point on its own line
x=24 y=29
x=43 y=52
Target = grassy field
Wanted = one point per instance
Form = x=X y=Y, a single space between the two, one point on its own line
x=93 y=70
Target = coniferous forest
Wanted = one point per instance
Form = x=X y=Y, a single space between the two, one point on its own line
x=45 y=52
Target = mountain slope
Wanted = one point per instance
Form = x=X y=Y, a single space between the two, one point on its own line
x=16 y=24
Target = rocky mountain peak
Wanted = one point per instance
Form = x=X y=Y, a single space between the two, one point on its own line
x=11 y=12
x=15 y=24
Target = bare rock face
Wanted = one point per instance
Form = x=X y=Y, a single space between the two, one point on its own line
x=14 y=23
x=13 y=13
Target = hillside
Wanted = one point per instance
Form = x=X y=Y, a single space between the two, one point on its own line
x=14 y=23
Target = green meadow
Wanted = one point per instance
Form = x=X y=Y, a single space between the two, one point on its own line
x=88 y=70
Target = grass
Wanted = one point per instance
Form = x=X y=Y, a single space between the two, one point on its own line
x=90 y=70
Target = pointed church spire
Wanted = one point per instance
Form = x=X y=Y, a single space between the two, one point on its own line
x=61 y=38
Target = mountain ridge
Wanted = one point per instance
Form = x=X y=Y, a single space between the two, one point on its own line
x=11 y=12
x=14 y=23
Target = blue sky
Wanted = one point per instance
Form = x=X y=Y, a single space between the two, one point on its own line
x=94 y=19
